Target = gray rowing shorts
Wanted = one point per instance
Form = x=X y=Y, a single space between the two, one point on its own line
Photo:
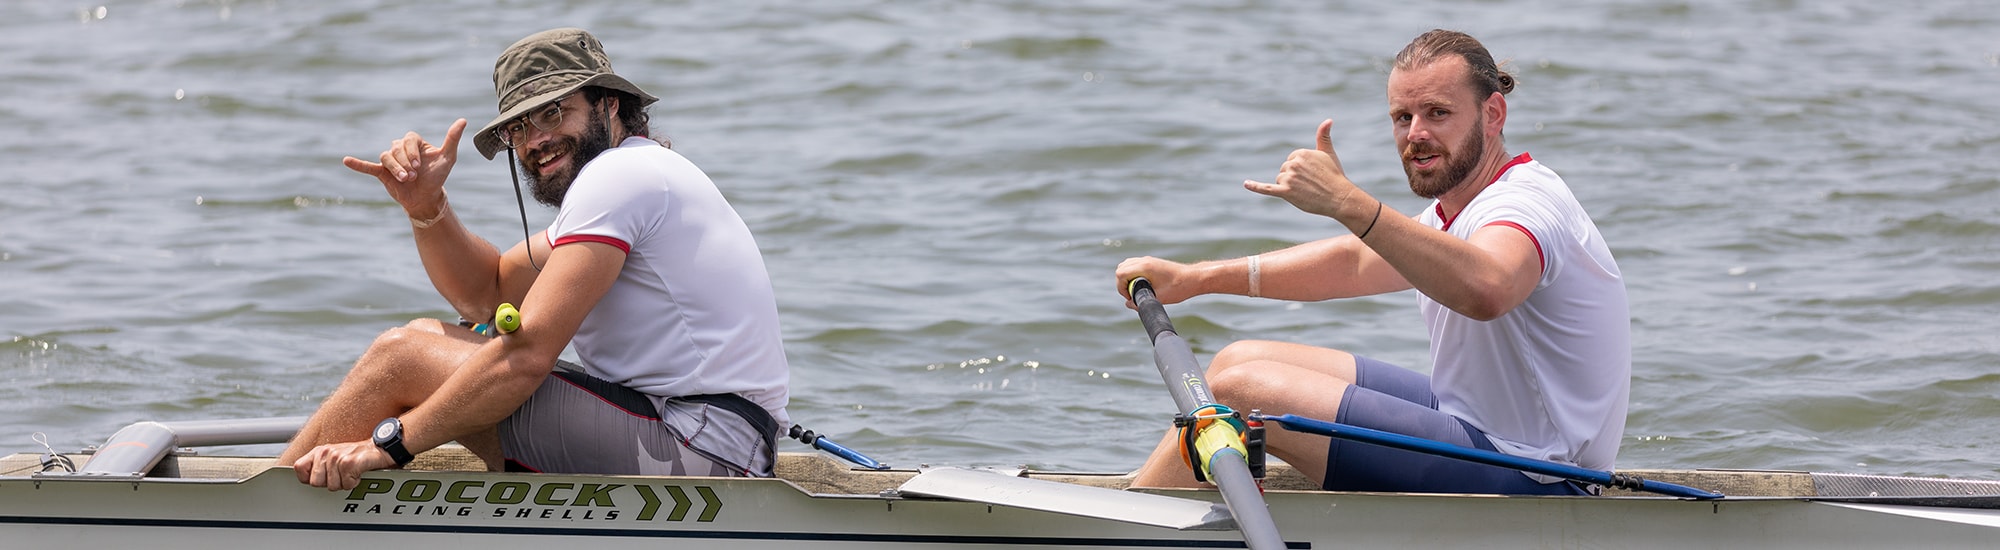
x=576 y=423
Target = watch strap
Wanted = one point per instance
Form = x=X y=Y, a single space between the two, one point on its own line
x=389 y=438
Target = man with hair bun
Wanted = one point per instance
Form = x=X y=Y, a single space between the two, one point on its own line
x=1529 y=328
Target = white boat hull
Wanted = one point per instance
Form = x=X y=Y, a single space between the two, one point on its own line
x=494 y=511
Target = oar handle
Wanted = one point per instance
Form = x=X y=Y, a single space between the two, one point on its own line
x=1152 y=313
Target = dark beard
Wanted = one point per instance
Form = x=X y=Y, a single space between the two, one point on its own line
x=1465 y=160
x=596 y=139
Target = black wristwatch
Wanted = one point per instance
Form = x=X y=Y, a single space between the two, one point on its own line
x=389 y=438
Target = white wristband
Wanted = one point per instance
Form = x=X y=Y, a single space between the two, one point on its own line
x=423 y=224
x=1255 y=279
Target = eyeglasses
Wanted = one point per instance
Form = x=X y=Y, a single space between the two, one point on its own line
x=547 y=119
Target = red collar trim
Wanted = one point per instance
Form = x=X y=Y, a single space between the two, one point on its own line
x=1521 y=159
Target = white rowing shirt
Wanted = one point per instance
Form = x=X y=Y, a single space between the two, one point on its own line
x=1551 y=378
x=692 y=311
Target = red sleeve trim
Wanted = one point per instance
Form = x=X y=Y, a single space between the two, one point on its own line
x=1539 y=255
x=573 y=239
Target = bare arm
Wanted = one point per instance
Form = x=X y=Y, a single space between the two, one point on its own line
x=468 y=271
x=1338 y=267
x=1482 y=277
x=502 y=374
x=495 y=379
x=464 y=268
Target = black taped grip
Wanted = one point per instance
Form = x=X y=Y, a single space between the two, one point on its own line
x=1152 y=313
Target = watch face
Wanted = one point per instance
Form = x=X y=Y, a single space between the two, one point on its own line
x=385 y=430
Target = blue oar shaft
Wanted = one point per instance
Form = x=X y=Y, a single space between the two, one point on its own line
x=820 y=442
x=1227 y=468
x=1417 y=444
x=828 y=445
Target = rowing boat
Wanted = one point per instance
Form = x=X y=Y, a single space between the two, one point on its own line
x=155 y=490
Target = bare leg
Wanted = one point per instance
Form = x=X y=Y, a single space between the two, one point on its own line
x=1330 y=362
x=398 y=372
x=1277 y=378
x=486 y=444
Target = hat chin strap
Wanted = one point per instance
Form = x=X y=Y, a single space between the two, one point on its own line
x=514 y=171
x=527 y=238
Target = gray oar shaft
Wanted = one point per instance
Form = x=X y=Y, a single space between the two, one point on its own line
x=1245 y=500
x=1182 y=373
x=1178 y=366
x=1183 y=382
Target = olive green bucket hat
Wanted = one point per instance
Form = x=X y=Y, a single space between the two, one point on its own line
x=543 y=68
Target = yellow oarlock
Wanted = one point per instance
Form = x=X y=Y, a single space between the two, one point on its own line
x=1215 y=438
x=1209 y=430
x=506 y=319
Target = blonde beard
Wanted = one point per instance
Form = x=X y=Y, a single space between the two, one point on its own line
x=1459 y=172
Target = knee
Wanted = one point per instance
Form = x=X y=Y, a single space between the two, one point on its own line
x=1243 y=386
x=389 y=349
x=1239 y=353
x=396 y=339
x=427 y=324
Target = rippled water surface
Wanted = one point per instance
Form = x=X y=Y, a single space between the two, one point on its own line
x=1802 y=196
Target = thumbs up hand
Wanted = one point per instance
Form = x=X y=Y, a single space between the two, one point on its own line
x=1313 y=181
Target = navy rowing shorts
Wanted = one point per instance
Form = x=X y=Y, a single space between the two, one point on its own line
x=1394 y=399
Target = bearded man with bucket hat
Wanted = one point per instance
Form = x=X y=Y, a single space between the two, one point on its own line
x=647 y=272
